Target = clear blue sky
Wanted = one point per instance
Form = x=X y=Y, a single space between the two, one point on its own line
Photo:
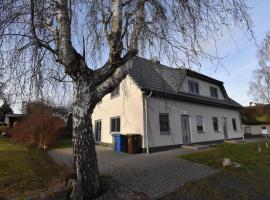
x=240 y=57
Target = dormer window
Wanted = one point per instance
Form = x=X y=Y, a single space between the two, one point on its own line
x=193 y=87
x=213 y=92
x=115 y=92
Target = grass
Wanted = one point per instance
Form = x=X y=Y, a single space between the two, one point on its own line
x=61 y=143
x=251 y=181
x=24 y=170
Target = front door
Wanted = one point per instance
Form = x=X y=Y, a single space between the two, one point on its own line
x=185 y=129
x=225 y=129
x=98 y=130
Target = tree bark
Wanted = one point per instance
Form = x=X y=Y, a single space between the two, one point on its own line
x=85 y=158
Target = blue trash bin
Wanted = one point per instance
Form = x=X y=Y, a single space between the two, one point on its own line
x=117 y=142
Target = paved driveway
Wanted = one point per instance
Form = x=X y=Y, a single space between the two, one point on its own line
x=154 y=174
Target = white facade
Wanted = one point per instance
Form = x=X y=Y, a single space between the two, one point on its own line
x=131 y=108
x=177 y=108
x=128 y=106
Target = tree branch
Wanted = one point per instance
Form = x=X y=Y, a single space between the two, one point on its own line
x=127 y=2
x=33 y=30
x=138 y=26
x=108 y=69
x=74 y=63
x=115 y=42
x=114 y=80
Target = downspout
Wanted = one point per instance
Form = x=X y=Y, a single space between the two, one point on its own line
x=146 y=121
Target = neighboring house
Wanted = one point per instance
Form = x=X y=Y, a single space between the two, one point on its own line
x=168 y=107
x=12 y=119
x=256 y=119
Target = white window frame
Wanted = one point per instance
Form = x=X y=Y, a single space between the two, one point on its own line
x=168 y=131
x=217 y=130
x=201 y=123
x=235 y=129
x=189 y=88
x=111 y=121
x=213 y=89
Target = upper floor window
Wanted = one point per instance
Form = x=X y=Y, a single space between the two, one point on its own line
x=215 y=124
x=213 y=92
x=193 y=87
x=115 y=124
x=199 y=122
x=164 y=123
x=115 y=92
x=234 y=124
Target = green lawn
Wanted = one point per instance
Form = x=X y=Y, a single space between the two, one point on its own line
x=251 y=181
x=24 y=170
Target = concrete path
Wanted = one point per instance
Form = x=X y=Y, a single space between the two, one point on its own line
x=154 y=174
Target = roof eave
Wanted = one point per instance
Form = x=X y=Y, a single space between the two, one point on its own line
x=193 y=100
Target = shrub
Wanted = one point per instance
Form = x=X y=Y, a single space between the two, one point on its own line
x=38 y=128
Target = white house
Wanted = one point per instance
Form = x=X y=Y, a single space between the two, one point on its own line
x=168 y=107
x=256 y=119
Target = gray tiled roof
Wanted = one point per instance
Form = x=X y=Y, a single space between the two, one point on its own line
x=164 y=81
x=147 y=77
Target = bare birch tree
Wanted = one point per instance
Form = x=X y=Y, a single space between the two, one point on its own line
x=67 y=40
x=259 y=87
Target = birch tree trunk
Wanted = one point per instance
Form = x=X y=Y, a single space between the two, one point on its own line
x=85 y=158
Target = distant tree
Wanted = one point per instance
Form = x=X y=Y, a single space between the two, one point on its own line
x=5 y=109
x=2 y=87
x=65 y=40
x=259 y=87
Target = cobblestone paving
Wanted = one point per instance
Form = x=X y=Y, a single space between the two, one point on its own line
x=154 y=174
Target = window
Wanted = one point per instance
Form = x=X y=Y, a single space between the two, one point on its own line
x=115 y=124
x=234 y=124
x=199 y=122
x=115 y=92
x=193 y=87
x=247 y=130
x=164 y=123
x=215 y=124
x=213 y=92
x=264 y=130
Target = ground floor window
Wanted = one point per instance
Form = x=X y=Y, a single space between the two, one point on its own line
x=247 y=130
x=199 y=123
x=115 y=124
x=164 y=123
x=234 y=124
x=264 y=130
x=215 y=124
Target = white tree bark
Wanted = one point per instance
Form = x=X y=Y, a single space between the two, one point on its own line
x=84 y=153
